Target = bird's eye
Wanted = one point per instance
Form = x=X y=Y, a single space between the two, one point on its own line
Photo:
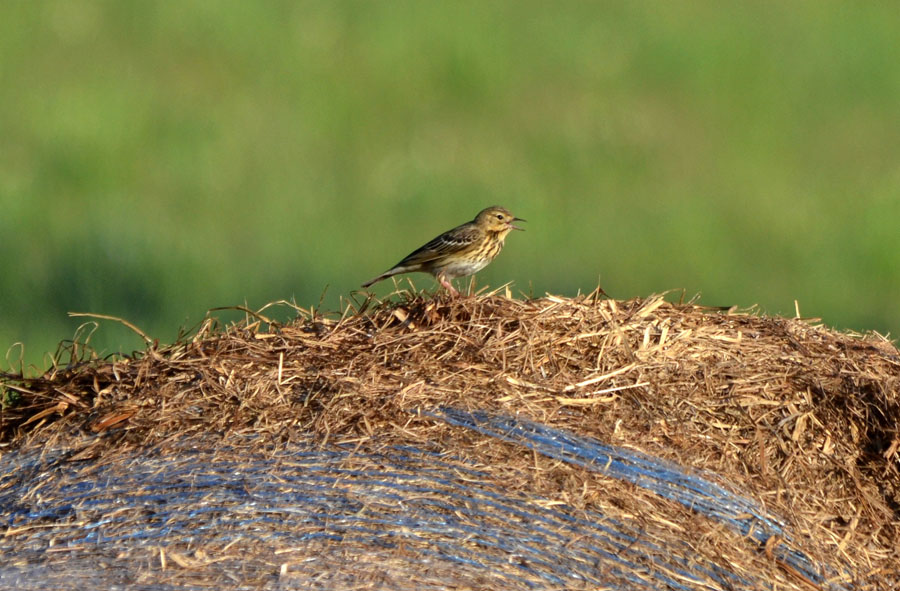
x=499 y=216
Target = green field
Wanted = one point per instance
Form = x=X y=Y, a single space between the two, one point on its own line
x=158 y=159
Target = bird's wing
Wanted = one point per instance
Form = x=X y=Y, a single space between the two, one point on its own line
x=449 y=242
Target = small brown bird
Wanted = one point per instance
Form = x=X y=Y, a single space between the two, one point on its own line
x=462 y=251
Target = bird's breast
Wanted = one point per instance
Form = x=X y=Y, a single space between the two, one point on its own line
x=472 y=261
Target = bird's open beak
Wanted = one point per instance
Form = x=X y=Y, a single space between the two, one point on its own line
x=515 y=227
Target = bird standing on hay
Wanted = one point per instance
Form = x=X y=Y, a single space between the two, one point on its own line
x=459 y=252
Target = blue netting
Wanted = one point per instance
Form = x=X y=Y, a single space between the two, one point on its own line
x=431 y=508
x=660 y=476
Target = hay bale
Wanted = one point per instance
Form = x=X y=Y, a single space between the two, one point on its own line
x=481 y=442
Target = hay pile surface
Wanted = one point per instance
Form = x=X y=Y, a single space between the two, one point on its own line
x=798 y=418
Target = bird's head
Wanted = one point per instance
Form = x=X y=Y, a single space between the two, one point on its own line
x=497 y=219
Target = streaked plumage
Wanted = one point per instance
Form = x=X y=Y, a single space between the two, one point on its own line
x=462 y=251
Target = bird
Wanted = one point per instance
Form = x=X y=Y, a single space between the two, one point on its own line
x=459 y=252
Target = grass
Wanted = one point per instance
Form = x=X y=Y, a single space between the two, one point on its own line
x=158 y=160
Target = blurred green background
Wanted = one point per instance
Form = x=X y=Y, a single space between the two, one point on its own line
x=158 y=159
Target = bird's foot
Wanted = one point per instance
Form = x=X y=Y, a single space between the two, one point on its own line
x=448 y=286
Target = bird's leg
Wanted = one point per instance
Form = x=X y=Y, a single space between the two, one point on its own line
x=447 y=285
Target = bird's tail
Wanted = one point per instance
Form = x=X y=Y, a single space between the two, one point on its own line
x=384 y=275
